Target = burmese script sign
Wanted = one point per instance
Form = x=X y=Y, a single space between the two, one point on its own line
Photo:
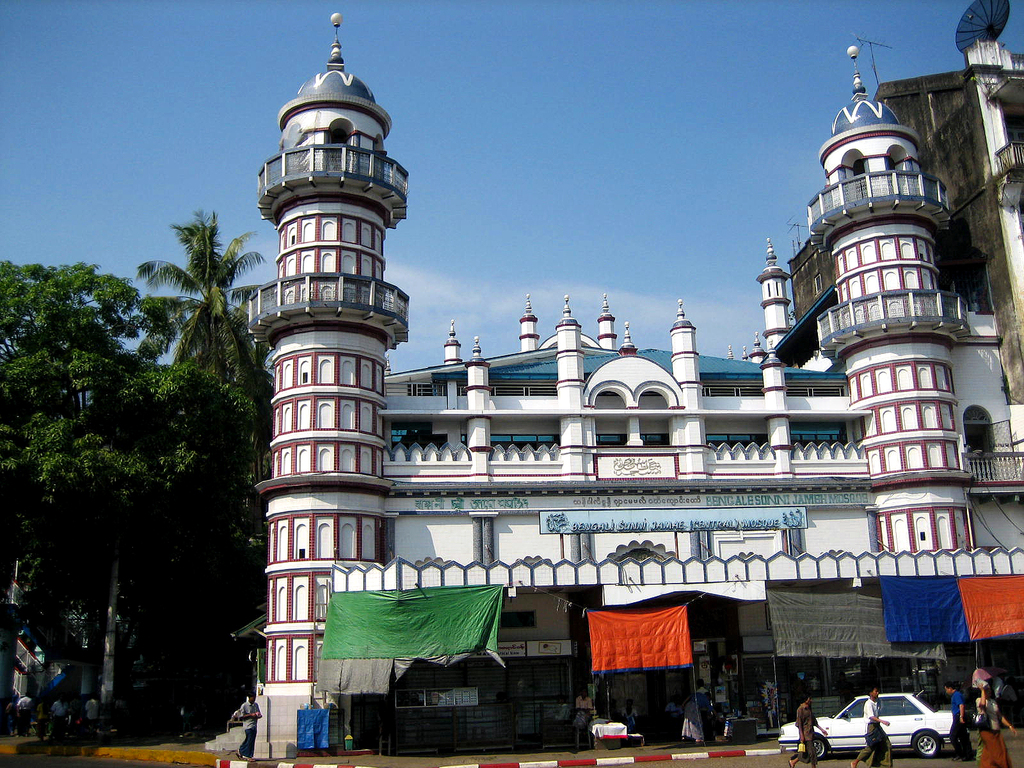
x=634 y=500
x=666 y=520
x=627 y=467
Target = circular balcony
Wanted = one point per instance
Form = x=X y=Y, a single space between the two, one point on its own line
x=875 y=193
x=283 y=301
x=924 y=310
x=319 y=167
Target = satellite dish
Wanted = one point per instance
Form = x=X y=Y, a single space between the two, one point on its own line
x=984 y=20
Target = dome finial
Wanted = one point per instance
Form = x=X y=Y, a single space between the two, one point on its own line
x=679 y=312
x=529 y=306
x=451 y=333
x=476 y=348
x=772 y=258
x=566 y=312
x=859 y=91
x=730 y=355
x=336 y=62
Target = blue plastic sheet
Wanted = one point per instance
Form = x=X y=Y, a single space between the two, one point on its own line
x=313 y=729
x=923 y=609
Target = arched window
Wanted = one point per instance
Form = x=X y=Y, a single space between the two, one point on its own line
x=300 y=606
x=339 y=131
x=304 y=416
x=347 y=542
x=608 y=399
x=300 y=662
x=324 y=542
x=978 y=429
x=325 y=415
x=282 y=541
x=900 y=533
x=325 y=459
x=652 y=401
x=326 y=372
x=280 y=661
x=369 y=542
x=282 y=601
x=301 y=540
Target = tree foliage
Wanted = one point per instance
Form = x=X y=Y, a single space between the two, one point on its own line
x=102 y=448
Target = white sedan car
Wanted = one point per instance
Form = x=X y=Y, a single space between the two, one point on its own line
x=912 y=724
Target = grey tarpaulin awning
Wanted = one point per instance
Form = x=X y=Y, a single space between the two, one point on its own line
x=836 y=621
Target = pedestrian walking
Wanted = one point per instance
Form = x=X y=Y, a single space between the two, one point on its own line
x=993 y=748
x=806 y=722
x=877 y=750
x=24 y=715
x=249 y=713
x=959 y=736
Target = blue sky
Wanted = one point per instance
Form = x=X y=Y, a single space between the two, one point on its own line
x=644 y=150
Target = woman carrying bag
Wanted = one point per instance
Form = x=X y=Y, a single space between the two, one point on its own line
x=990 y=721
x=878 y=750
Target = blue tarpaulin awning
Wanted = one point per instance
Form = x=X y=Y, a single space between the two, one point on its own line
x=923 y=609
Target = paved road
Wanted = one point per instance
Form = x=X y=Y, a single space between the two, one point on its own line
x=49 y=761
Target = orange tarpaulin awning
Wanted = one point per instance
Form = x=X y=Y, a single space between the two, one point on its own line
x=992 y=605
x=639 y=638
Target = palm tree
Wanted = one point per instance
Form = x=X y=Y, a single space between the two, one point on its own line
x=207 y=319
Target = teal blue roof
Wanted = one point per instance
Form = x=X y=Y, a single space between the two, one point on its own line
x=711 y=368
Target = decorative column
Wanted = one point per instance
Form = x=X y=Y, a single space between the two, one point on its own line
x=774 y=299
x=452 y=348
x=570 y=393
x=478 y=402
x=773 y=374
x=528 y=337
x=687 y=430
x=606 y=327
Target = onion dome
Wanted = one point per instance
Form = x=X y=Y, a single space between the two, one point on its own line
x=335 y=86
x=861 y=111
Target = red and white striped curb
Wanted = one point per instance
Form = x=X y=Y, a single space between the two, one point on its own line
x=571 y=763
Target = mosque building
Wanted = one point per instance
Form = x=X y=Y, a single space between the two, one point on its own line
x=582 y=473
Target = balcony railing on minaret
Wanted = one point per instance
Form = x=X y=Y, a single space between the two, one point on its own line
x=890 y=189
x=340 y=162
x=926 y=308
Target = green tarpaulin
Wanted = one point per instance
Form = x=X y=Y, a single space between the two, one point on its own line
x=422 y=623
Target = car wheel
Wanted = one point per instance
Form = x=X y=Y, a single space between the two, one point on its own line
x=820 y=748
x=927 y=744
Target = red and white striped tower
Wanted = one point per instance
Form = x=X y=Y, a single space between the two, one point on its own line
x=892 y=327
x=329 y=317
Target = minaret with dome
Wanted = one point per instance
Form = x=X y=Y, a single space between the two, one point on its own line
x=893 y=328
x=332 y=192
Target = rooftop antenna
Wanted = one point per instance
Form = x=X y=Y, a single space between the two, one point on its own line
x=799 y=236
x=871 y=44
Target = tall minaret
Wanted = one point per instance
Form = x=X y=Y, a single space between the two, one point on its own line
x=331 y=192
x=893 y=328
x=774 y=299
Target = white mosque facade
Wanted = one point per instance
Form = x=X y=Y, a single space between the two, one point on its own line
x=579 y=471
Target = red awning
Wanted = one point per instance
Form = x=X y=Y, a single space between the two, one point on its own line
x=640 y=638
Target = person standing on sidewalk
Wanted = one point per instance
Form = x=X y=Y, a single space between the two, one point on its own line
x=959 y=736
x=249 y=713
x=806 y=722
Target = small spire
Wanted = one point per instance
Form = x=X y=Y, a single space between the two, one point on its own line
x=628 y=347
x=757 y=340
x=451 y=333
x=772 y=258
x=680 y=315
x=860 y=93
x=336 y=62
x=476 y=348
x=529 y=306
x=745 y=355
x=730 y=356
x=604 y=304
x=387 y=365
x=566 y=312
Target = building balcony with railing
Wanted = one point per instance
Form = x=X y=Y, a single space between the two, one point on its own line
x=321 y=166
x=1000 y=468
x=925 y=309
x=327 y=293
x=1010 y=159
x=878 y=191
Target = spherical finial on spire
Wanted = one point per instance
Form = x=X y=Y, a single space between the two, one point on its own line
x=679 y=312
x=566 y=312
x=451 y=333
x=859 y=91
x=853 y=52
x=757 y=340
x=730 y=355
x=476 y=347
x=604 y=305
x=529 y=307
x=336 y=60
x=772 y=258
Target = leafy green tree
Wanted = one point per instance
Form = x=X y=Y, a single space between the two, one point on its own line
x=125 y=482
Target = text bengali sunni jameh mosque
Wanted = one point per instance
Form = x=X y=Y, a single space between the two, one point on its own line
x=580 y=473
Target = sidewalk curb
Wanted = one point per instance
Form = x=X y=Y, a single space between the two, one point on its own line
x=116 y=753
x=572 y=763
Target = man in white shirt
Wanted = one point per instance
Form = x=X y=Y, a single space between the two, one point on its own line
x=877 y=752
